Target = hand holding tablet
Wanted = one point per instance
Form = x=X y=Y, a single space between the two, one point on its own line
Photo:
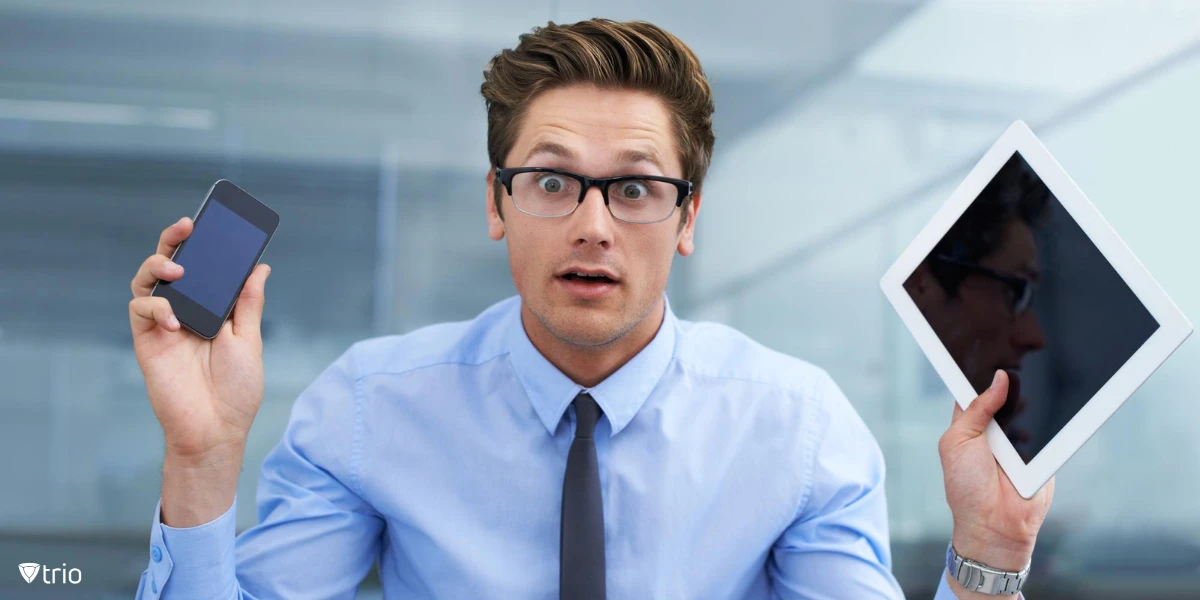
x=1019 y=272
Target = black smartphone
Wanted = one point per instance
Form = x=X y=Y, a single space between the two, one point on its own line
x=229 y=234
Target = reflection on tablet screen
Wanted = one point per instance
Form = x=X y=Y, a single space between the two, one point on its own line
x=1015 y=284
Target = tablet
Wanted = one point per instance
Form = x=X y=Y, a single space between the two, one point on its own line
x=1019 y=271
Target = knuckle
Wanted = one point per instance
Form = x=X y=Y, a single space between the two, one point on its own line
x=147 y=265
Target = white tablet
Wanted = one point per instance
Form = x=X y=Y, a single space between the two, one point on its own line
x=1018 y=271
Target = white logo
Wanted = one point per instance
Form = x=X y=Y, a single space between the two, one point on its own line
x=29 y=571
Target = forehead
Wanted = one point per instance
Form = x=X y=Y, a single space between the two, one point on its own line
x=1017 y=250
x=587 y=127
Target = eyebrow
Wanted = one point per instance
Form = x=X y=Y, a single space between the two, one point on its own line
x=628 y=156
x=548 y=147
x=631 y=156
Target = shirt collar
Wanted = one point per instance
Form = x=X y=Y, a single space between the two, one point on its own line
x=620 y=395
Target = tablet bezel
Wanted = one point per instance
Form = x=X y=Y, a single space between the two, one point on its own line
x=1173 y=328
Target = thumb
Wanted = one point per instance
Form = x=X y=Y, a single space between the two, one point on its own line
x=974 y=420
x=247 y=313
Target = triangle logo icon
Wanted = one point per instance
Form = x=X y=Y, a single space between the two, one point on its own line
x=29 y=571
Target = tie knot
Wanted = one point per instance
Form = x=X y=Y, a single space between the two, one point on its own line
x=587 y=413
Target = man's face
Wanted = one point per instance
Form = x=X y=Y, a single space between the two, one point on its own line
x=977 y=326
x=597 y=133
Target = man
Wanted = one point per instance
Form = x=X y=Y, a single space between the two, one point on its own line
x=976 y=287
x=577 y=441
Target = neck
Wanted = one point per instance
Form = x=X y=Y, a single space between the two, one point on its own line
x=589 y=365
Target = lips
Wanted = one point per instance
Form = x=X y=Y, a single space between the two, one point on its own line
x=587 y=283
x=588 y=275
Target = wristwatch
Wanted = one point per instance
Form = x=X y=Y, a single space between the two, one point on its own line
x=978 y=577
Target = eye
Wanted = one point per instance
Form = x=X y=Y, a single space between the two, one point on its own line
x=552 y=184
x=633 y=190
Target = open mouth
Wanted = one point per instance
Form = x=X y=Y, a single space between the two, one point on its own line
x=587 y=286
x=585 y=278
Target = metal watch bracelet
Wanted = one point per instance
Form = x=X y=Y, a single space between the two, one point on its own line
x=978 y=577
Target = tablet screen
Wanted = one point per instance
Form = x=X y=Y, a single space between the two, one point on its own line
x=1015 y=284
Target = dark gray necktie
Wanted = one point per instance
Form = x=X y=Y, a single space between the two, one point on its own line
x=581 y=537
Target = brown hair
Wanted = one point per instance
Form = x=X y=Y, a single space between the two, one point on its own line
x=609 y=54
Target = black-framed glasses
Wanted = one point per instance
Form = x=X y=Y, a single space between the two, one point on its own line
x=1020 y=289
x=547 y=192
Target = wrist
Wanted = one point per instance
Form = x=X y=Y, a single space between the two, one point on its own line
x=964 y=594
x=199 y=488
x=993 y=549
x=216 y=456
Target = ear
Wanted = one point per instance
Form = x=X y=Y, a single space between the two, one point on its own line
x=495 y=222
x=687 y=232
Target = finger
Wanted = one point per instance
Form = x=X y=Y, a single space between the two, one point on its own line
x=1046 y=494
x=172 y=236
x=247 y=312
x=226 y=331
x=975 y=418
x=148 y=312
x=154 y=268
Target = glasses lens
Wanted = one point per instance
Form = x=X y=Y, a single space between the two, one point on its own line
x=642 y=200
x=1024 y=295
x=545 y=194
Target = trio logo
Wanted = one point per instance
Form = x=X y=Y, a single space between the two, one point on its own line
x=29 y=571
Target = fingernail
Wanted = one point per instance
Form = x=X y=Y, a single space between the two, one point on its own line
x=172 y=321
x=996 y=378
x=173 y=266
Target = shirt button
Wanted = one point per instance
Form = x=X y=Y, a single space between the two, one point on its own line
x=155 y=553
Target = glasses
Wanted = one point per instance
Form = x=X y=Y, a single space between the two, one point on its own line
x=546 y=192
x=1020 y=289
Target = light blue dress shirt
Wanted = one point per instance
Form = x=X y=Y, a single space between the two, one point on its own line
x=727 y=470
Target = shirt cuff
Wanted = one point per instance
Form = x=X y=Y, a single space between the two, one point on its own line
x=198 y=561
x=944 y=593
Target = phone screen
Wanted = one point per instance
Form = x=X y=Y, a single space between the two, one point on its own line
x=222 y=248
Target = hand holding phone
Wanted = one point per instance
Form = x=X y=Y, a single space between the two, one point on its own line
x=204 y=392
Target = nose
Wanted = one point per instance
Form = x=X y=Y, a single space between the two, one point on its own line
x=1028 y=334
x=592 y=223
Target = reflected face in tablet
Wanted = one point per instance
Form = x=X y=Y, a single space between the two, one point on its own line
x=985 y=321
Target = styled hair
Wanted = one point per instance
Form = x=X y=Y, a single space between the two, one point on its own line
x=633 y=55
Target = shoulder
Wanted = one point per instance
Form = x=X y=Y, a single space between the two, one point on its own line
x=471 y=342
x=718 y=351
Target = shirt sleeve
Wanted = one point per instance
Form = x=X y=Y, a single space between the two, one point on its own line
x=837 y=546
x=316 y=536
x=943 y=591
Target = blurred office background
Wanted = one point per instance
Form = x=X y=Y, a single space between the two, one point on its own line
x=842 y=125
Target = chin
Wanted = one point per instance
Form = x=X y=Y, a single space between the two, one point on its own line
x=583 y=330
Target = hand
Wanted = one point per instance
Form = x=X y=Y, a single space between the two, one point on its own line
x=993 y=524
x=204 y=393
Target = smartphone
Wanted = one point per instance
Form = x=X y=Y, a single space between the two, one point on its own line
x=229 y=234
